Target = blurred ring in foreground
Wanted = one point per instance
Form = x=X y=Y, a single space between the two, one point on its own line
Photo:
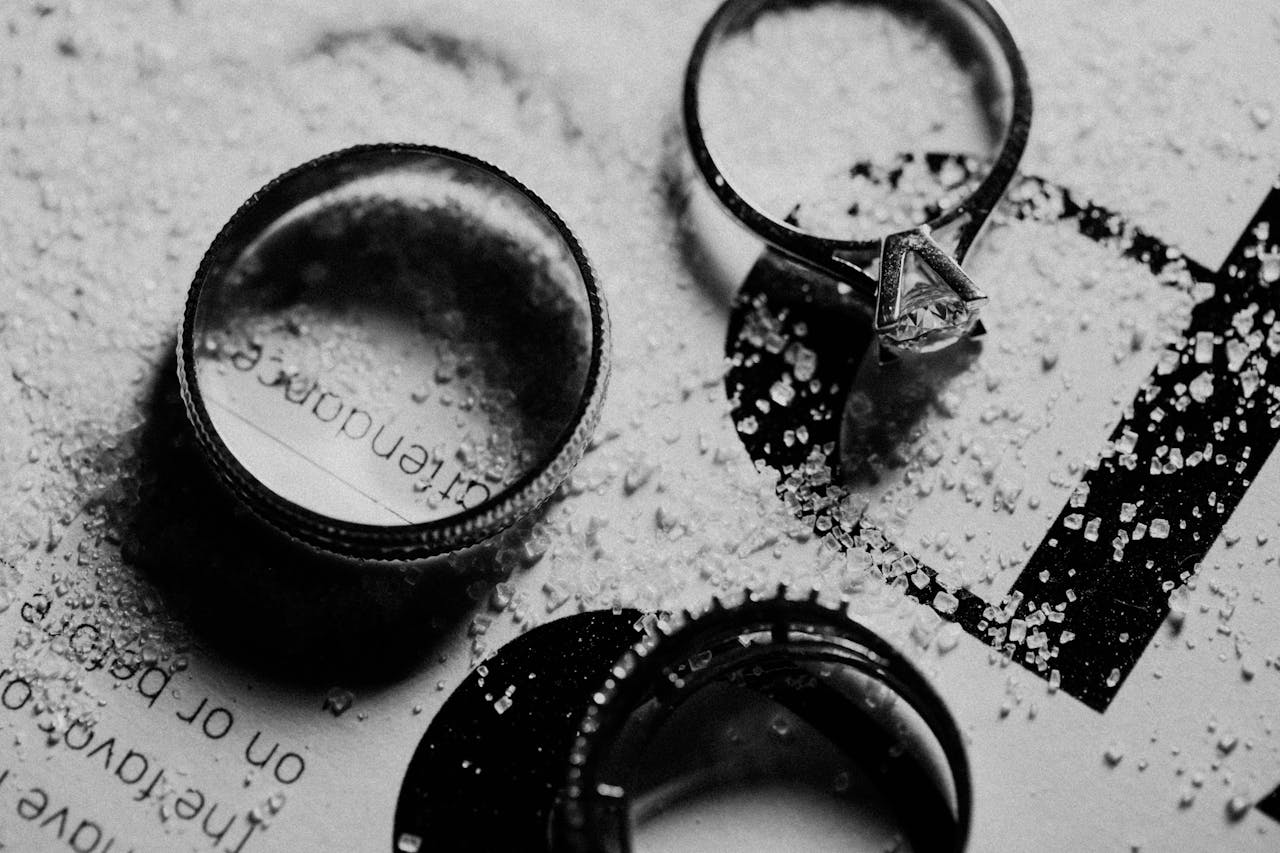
x=836 y=680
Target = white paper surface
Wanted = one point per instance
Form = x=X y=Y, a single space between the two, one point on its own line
x=132 y=131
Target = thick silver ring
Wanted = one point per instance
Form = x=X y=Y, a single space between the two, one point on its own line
x=415 y=538
x=769 y=644
x=852 y=262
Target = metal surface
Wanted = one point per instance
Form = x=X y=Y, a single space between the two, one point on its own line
x=849 y=261
x=765 y=642
x=409 y=541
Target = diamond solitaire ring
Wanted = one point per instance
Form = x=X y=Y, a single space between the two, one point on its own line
x=909 y=281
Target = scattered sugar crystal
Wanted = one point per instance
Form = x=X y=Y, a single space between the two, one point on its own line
x=1201 y=387
x=1249 y=382
x=1237 y=352
x=1270 y=270
x=925 y=627
x=1238 y=806
x=638 y=475
x=337 y=701
x=945 y=602
x=1179 y=604
x=804 y=362
x=1127 y=442
x=1204 y=348
x=948 y=637
x=408 y=843
x=1159 y=528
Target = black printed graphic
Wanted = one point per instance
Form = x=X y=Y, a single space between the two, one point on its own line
x=487 y=772
x=487 y=769
x=1270 y=805
x=1174 y=469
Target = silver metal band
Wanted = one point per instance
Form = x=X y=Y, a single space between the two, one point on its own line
x=848 y=260
x=757 y=641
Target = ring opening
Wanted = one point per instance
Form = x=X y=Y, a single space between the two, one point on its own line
x=828 y=116
x=396 y=337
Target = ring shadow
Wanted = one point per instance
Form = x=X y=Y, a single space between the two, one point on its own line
x=802 y=392
x=270 y=604
x=851 y=411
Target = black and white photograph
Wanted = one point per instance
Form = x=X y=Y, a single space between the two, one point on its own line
x=668 y=426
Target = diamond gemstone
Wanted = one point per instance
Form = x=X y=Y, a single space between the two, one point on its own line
x=932 y=317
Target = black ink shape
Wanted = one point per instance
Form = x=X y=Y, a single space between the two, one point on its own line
x=1113 y=597
x=486 y=779
x=1270 y=805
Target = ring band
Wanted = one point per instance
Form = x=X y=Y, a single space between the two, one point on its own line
x=771 y=645
x=380 y=171
x=881 y=296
